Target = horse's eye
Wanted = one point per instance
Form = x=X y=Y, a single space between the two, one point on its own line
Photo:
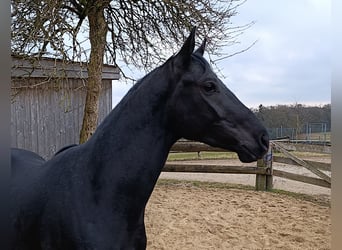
x=209 y=87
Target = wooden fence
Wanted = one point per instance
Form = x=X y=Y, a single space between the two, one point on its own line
x=263 y=170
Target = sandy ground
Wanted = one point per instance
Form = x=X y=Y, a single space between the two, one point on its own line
x=184 y=216
x=188 y=217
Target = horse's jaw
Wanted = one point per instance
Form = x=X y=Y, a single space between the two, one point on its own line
x=223 y=135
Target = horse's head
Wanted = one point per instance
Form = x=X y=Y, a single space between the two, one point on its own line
x=202 y=108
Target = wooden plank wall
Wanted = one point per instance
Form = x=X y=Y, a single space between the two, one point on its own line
x=48 y=116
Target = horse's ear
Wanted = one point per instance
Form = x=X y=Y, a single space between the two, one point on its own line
x=183 y=57
x=201 y=49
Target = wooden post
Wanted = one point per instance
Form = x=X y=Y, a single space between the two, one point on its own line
x=265 y=182
x=268 y=159
x=260 y=179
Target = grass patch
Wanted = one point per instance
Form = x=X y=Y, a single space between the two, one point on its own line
x=304 y=154
x=316 y=136
x=319 y=200
x=203 y=184
x=231 y=155
x=201 y=156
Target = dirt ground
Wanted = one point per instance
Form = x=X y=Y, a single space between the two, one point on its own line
x=185 y=216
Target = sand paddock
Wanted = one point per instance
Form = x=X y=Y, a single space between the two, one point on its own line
x=186 y=216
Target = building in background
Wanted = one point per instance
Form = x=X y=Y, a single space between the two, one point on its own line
x=47 y=102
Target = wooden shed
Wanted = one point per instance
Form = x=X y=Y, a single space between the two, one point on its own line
x=47 y=102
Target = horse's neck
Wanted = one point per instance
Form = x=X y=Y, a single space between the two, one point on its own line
x=132 y=144
x=139 y=122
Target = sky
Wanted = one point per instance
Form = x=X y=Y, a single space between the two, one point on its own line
x=289 y=63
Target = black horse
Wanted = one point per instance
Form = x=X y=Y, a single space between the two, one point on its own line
x=93 y=196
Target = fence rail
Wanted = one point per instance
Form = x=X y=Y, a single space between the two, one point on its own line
x=190 y=146
x=301 y=178
x=263 y=170
x=308 y=166
x=320 y=165
x=203 y=168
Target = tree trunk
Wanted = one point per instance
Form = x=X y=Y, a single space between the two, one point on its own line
x=97 y=34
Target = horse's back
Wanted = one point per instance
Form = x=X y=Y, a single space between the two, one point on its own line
x=24 y=159
x=26 y=202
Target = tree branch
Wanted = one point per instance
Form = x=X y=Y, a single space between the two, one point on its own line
x=236 y=53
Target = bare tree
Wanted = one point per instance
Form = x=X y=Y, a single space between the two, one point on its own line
x=139 y=33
